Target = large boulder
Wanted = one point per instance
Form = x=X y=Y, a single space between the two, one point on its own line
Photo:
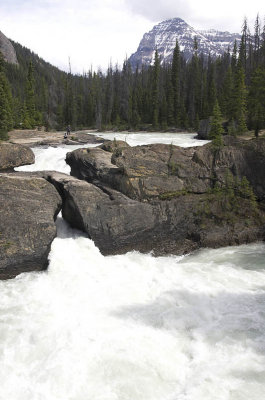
x=147 y=173
x=14 y=155
x=113 y=145
x=176 y=225
x=113 y=221
x=28 y=207
x=204 y=128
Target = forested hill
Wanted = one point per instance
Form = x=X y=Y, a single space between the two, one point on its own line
x=160 y=96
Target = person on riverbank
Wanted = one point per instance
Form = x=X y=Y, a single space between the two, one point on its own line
x=68 y=130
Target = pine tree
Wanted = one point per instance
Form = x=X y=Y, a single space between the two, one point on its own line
x=30 y=96
x=6 y=121
x=234 y=58
x=216 y=126
x=155 y=91
x=238 y=101
x=228 y=93
x=243 y=46
x=257 y=41
x=175 y=74
x=256 y=100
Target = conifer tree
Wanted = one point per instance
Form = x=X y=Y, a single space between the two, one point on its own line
x=30 y=97
x=227 y=93
x=175 y=74
x=216 y=126
x=238 y=101
x=257 y=41
x=243 y=46
x=256 y=100
x=155 y=91
x=6 y=121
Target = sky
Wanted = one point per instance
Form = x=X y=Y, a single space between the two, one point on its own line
x=94 y=33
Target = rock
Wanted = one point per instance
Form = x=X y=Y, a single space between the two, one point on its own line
x=7 y=49
x=84 y=138
x=14 y=155
x=118 y=224
x=28 y=207
x=113 y=221
x=113 y=145
x=204 y=128
x=33 y=138
x=177 y=186
x=143 y=172
x=93 y=164
x=146 y=173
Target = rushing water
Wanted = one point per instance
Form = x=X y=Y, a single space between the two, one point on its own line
x=134 y=327
x=140 y=138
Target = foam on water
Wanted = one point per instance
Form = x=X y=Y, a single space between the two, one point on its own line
x=51 y=158
x=134 y=327
x=140 y=138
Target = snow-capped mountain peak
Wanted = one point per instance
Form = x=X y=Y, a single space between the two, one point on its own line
x=163 y=38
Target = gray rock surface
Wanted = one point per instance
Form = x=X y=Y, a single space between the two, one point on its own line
x=204 y=129
x=148 y=172
x=113 y=145
x=7 y=49
x=34 y=138
x=28 y=207
x=113 y=221
x=14 y=155
x=182 y=212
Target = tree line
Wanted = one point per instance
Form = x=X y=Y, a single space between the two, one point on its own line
x=179 y=94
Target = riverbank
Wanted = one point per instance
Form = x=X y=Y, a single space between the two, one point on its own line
x=34 y=137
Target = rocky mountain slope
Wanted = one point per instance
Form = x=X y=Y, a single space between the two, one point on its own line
x=163 y=37
x=7 y=49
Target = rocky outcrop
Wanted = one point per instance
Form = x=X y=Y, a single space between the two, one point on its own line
x=34 y=138
x=204 y=129
x=28 y=207
x=150 y=172
x=7 y=49
x=118 y=224
x=111 y=219
x=113 y=145
x=14 y=155
x=189 y=202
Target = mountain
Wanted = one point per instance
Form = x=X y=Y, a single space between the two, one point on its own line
x=163 y=37
x=7 y=49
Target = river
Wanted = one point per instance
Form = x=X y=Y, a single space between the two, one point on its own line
x=133 y=327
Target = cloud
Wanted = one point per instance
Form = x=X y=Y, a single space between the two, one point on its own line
x=160 y=9
x=203 y=14
x=95 y=31
x=89 y=32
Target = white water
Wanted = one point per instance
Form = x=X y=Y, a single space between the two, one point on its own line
x=134 y=327
x=51 y=159
x=140 y=138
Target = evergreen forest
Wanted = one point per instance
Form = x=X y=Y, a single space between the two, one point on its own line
x=230 y=88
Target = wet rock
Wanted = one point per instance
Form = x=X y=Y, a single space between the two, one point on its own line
x=28 y=207
x=204 y=128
